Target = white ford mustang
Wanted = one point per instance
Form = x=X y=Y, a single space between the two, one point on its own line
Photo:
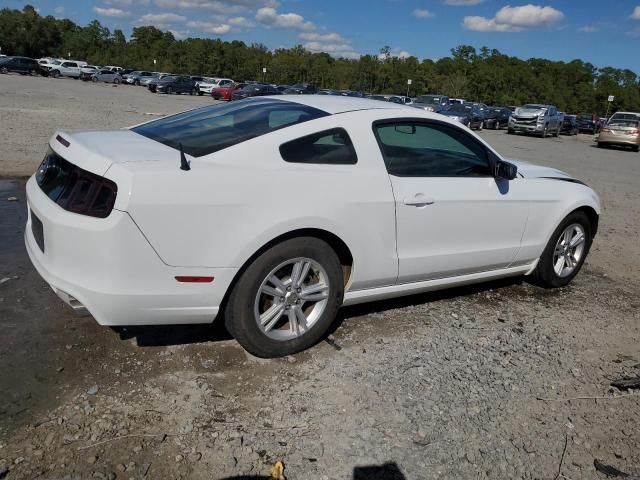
x=278 y=210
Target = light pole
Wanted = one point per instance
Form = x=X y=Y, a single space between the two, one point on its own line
x=409 y=82
x=68 y=54
x=154 y=63
x=264 y=73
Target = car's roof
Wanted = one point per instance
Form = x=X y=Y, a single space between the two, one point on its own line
x=338 y=104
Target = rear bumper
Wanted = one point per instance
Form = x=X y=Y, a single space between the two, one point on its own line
x=107 y=268
x=630 y=140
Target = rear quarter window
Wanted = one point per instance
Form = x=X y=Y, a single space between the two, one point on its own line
x=329 y=147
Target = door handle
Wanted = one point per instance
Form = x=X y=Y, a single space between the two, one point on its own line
x=419 y=200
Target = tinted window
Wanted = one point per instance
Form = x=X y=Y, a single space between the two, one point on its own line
x=413 y=149
x=331 y=147
x=213 y=128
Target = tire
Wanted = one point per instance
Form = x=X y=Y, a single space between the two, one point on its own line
x=545 y=132
x=496 y=125
x=116 y=81
x=136 y=82
x=94 y=79
x=55 y=74
x=4 y=70
x=635 y=148
x=244 y=304
x=192 y=91
x=600 y=145
x=480 y=126
x=200 y=92
x=32 y=72
x=557 y=132
x=545 y=273
x=510 y=131
x=168 y=91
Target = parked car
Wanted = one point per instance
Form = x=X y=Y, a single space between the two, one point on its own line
x=589 y=122
x=113 y=68
x=135 y=77
x=208 y=84
x=351 y=93
x=570 y=125
x=328 y=91
x=496 y=117
x=282 y=88
x=254 y=90
x=466 y=113
x=301 y=89
x=22 y=65
x=87 y=71
x=225 y=93
x=66 y=69
x=622 y=130
x=146 y=81
x=537 y=119
x=107 y=76
x=436 y=207
x=457 y=100
x=173 y=84
x=431 y=103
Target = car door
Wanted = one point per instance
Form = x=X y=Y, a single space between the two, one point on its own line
x=452 y=216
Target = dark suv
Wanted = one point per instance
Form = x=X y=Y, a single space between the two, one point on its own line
x=301 y=89
x=22 y=65
x=174 y=84
x=254 y=90
x=589 y=122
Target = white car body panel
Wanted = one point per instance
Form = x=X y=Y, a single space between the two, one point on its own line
x=212 y=219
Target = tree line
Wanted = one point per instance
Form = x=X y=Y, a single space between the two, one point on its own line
x=482 y=74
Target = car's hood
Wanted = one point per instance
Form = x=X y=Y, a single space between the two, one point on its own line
x=530 y=112
x=530 y=170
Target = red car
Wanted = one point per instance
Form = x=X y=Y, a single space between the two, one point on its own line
x=225 y=93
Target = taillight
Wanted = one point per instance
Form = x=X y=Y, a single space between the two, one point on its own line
x=633 y=132
x=605 y=130
x=75 y=189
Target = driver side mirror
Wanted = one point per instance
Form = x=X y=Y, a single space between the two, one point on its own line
x=505 y=170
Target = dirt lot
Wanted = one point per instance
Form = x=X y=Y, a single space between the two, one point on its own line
x=502 y=380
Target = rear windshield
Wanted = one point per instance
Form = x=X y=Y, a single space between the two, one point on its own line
x=625 y=116
x=623 y=122
x=428 y=99
x=213 y=128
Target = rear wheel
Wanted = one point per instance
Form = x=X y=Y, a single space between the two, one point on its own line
x=94 y=79
x=192 y=91
x=55 y=74
x=4 y=70
x=32 y=72
x=636 y=148
x=287 y=298
x=116 y=81
x=169 y=90
x=566 y=251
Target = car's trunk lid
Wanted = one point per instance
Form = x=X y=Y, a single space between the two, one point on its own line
x=96 y=150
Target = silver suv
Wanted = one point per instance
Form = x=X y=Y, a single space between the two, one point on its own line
x=537 y=119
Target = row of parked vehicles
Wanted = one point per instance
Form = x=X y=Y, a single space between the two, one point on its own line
x=542 y=120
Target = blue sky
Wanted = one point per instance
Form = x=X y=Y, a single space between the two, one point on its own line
x=605 y=33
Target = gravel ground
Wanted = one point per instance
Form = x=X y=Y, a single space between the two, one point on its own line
x=501 y=380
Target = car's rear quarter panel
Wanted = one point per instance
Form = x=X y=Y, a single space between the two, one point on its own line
x=235 y=201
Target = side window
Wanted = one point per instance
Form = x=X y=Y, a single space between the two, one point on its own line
x=331 y=147
x=282 y=118
x=71 y=64
x=416 y=149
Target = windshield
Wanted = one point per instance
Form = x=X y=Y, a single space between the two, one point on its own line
x=428 y=99
x=213 y=128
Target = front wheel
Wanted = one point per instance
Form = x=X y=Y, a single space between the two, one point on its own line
x=286 y=300
x=94 y=79
x=192 y=92
x=200 y=92
x=116 y=81
x=169 y=91
x=566 y=251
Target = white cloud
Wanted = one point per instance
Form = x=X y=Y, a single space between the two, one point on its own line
x=588 y=29
x=463 y=3
x=515 y=19
x=111 y=12
x=162 y=18
x=220 y=6
x=210 y=27
x=334 y=49
x=241 y=22
x=58 y=10
x=126 y=3
x=395 y=52
x=179 y=34
x=422 y=13
x=270 y=17
x=636 y=13
x=322 y=37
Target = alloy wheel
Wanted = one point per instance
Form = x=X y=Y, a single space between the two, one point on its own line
x=291 y=299
x=569 y=250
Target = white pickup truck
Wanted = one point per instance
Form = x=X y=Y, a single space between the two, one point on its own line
x=66 y=69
